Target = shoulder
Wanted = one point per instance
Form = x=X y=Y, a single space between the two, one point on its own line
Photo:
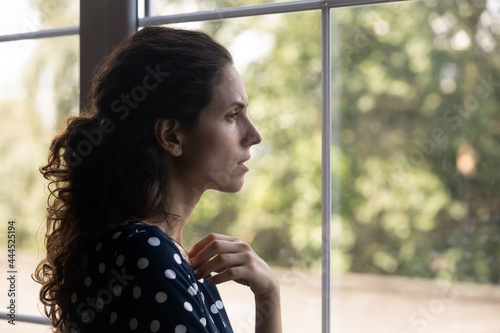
x=137 y=280
x=138 y=245
x=135 y=237
x=137 y=232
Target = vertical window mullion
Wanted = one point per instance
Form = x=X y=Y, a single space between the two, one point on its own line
x=326 y=182
x=148 y=8
x=103 y=24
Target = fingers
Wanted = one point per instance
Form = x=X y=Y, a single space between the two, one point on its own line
x=231 y=274
x=224 y=262
x=213 y=245
x=234 y=260
x=207 y=240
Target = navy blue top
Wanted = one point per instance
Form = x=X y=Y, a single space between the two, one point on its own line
x=138 y=281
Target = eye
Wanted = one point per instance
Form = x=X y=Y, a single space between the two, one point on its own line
x=233 y=115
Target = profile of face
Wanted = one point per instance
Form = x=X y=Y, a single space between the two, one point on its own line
x=212 y=155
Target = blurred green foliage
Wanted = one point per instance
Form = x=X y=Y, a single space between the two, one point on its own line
x=420 y=109
x=419 y=129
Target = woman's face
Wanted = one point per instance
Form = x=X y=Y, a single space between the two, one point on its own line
x=214 y=151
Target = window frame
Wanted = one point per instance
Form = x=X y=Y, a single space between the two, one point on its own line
x=99 y=32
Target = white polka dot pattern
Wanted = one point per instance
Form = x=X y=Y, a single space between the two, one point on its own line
x=161 y=297
x=117 y=290
x=119 y=260
x=170 y=274
x=99 y=303
x=142 y=263
x=133 y=324
x=137 y=273
x=188 y=306
x=113 y=317
x=177 y=258
x=154 y=326
x=191 y=291
x=136 y=292
x=180 y=329
x=85 y=317
x=88 y=281
x=153 y=241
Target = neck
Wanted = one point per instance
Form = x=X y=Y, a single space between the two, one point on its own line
x=182 y=202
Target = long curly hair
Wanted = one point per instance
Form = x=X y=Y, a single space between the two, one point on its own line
x=107 y=165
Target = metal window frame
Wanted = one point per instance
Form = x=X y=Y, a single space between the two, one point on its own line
x=97 y=37
x=68 y=31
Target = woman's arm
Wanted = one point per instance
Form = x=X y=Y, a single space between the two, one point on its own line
x=268 y=314
x=235 y=260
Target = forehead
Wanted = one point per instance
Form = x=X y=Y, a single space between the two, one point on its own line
x=232 y=89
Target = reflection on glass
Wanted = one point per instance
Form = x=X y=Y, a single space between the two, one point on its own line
x=38 y=88
x=279 y=209
x=420 y=149
x=23 y=16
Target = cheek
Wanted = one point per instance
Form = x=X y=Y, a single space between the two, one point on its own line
x=213 y=150
x=219 y=157
x=220 y=144
x=210 y=154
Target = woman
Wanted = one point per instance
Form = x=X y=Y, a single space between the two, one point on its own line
x=167 y=121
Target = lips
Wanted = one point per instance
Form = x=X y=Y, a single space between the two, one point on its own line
x=242 y=164
x=243 y=161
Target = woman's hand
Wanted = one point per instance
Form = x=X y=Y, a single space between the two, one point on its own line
x=234 y=260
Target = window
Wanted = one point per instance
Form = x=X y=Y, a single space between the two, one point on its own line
x=416 y=234
x=39 y=87
x=32 y=16
x=278 y=211
x=374 y=193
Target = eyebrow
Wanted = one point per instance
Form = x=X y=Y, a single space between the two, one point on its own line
x=238 y=104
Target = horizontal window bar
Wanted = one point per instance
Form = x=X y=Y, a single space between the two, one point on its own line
x=27 y=319
x=348 y=3
x=231 y=12
x=265 y=9
x=41 y=34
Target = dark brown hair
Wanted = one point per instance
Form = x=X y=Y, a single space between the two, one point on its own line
x=107 y=166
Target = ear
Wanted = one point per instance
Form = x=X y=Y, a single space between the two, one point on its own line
x=168 y=136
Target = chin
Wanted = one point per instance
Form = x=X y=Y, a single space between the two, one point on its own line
x=233 y=189
x=231 y=186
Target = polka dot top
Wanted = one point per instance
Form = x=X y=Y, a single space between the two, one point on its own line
x=138 y=281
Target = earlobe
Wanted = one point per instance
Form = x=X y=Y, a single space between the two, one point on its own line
x=167 y=134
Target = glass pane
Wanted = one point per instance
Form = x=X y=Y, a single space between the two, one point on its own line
x=38 y=88
x=171 y=7
x=279 y=209
x=22 y=16
x=417 y=109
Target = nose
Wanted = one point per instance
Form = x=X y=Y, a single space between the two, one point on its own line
x=253 y=136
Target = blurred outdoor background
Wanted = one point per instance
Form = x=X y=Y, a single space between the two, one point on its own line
x=416 y=157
